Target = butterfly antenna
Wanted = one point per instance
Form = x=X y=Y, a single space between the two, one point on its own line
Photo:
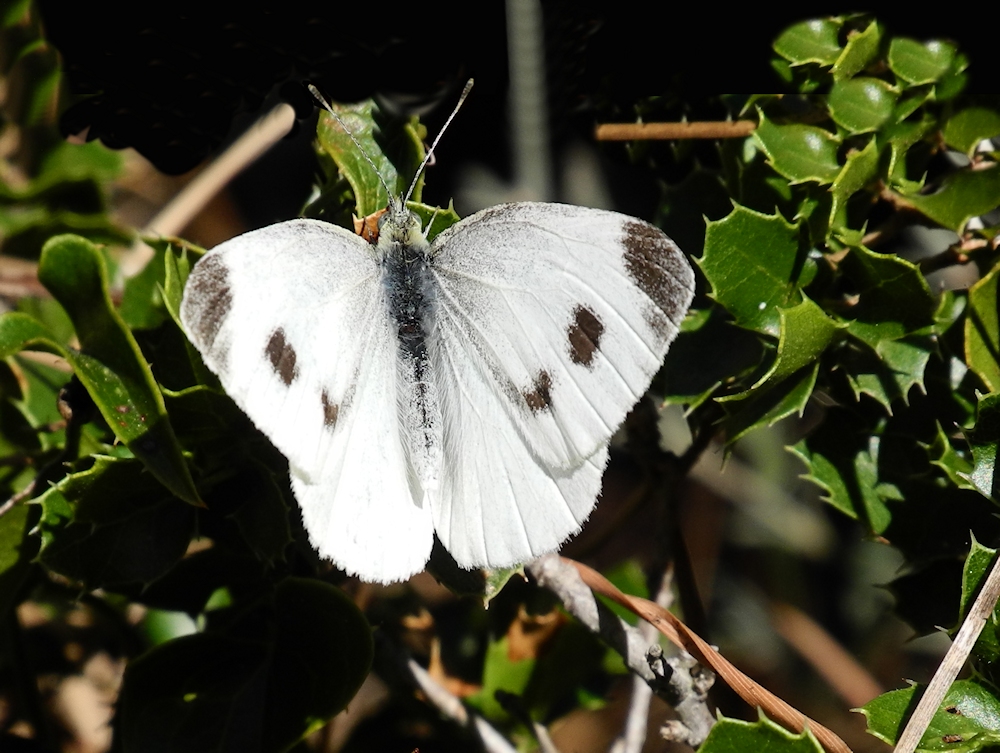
x=430 y=152
x=326 y=105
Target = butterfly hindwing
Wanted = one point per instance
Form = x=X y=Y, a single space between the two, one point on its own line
x=566 y=312
x=291 y=318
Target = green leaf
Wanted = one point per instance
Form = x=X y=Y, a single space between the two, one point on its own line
x=956 y=467
x=756 y=409
x=502 y=673
x=395 y=148
x=843 y=460
x=806 y=331
x=983 y=439
x=968 y=719
x=982 y=330
x=860 y=169
x=497 y=579
x=861 y=104
x=284 y=670
x=812 y=41
x=113 y=524
x=752 y=262
x=861 y=49
x=888 y=370
x=966 y=128
x=731 y=735
x=110 y=364
x=920 y=62
x=798 y=152
x=977 y=567
x=22 y=332
x=893 y=297
x=963 y=194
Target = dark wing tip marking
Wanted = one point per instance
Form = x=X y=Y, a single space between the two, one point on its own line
x=209 y=287
x=282 y=357
x=657 y=267
x=540 y=398
x=330 y=411
x=584 y=335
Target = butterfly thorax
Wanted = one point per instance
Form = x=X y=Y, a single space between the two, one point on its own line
x=403 y=251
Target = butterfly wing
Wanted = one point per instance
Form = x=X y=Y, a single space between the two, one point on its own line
x=551 y=321
x=292 y=318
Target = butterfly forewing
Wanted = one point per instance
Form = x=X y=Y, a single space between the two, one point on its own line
x=564 y=312
x=292 y=319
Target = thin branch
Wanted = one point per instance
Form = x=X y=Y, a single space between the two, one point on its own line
x=683 y=637
x=672 y=679
x=952 y=663
x=725 y=129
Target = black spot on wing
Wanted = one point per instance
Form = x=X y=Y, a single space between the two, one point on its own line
x=209 y=287
x=330 y=411
x=584 y=336
x=540 y=398
x=282 y=357
x=659 y=269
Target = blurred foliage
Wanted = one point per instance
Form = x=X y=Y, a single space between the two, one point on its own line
x=148 y=488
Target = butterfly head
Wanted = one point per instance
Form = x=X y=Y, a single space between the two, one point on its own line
x=400 y=225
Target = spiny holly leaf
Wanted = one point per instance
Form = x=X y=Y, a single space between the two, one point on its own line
x=800 y=153
x=806 y=331
x=843 y=460
x=812 y=41
x=901 y=136
x=734 y=735
x=862 y=104
x=983 y=439
x=888 y=371
x=277 y=674
x=113 y=524
x=893 y=297
x=966 y=128
x=753 y=262
x=963 y=194
x=395 y=148
x=920 y=62
x=956 y=467
x=982 y=330
x=110 y=364
x=860 y=169
x=756 y=409
x=861 y=49
x=968 y=720
x=977 y=567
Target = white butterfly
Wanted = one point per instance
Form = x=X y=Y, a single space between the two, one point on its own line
x=468 y=386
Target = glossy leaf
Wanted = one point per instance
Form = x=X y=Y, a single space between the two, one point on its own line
x=890 y=370
x=983 y=439
x=977 y=567
x=861 y=104
x=752 y=261
x=860 y=169
x=861 y=49
x=735 y=735
x=394 y=147
x=982 y=330
x=22 y=332
x=750 y=411
x=799 y=152
x=963 y=194
x=966 y=128
x=920 y=62
x=812 y=41
x=968 y=719
x=110 y=364
x=806 y=331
